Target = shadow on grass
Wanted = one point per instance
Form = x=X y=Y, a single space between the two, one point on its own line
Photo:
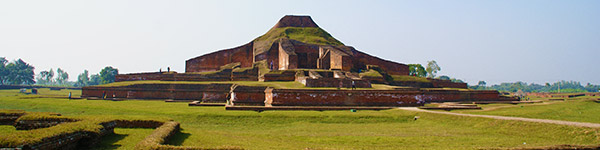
x=108 y=141
x=178 y=138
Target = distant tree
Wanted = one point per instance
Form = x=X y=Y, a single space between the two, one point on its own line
x=457 y=80
x=444 y=77
x=19 y=72
x=46 y=77
x=432 y=68
x=417 y=70
x=481 y=83
x=61 y=76
x=83 y=79
x=3 y=71
x=107 y=75
x=94 y=79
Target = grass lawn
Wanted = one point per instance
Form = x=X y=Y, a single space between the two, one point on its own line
x=580 y=109
x=273 y=84
x=213 y=127
x=124 y=138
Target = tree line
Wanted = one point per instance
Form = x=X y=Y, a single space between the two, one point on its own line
x=430 y=71
x=557 y=87
x=19 y=72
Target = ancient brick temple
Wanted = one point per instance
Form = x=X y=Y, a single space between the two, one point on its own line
x=296 y=49
x=292 y=53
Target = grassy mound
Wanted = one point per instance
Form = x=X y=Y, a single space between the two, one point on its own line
x=309 y=35
x=403 y=78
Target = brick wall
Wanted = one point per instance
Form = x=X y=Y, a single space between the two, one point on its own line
x=437 y=83
x=301 y=97
x=212 y=61
x=333 y=82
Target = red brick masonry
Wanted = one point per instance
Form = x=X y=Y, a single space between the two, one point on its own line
x=255 y=95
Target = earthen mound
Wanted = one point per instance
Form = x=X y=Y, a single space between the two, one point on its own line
x=295 y=21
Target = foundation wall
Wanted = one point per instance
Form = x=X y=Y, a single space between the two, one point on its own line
x=332 y=82
x=294 y=97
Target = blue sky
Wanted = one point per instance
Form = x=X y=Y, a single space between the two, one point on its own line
x=495 y=41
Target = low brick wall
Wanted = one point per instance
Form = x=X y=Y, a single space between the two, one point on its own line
x=73 y=140
x=207 y=93
x=9 y=119
x=286 y=75
x=436 y=95
x=412 y=84
x=223 y=75
x=204 y=92
x=333 y=82
x=301 y=97
x=294 y=97
x=250 y=95
x=36 y=124
x=437 y=83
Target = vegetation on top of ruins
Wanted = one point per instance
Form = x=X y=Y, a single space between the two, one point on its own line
x=273 y=84
x=405 y=78
x=371 y=73
x=309 y=35
x=386 y=129
x=230 y=66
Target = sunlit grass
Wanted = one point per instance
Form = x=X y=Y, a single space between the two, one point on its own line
x=388 y=129
x=583 y=109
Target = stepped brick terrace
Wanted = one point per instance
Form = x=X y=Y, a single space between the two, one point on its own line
x=296 y=63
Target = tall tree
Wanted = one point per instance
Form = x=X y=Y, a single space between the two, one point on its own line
x=83 y=79
x=432 y=68
x=46 y=77
x=107 y=75
x=19 y=72
x=3 y=71
x=94 y=79
x=417 y=70
x=61 y=76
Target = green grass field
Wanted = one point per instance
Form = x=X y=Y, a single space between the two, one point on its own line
x=579 y=109
x=212 y=127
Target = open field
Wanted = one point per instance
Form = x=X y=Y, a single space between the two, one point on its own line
x=390 y=129
x=579 y=109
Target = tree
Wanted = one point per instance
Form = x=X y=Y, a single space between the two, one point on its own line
x=107 y=75
x=19 y=72
x=46 y=77
x=94 y=79
x=61 y=76
x=444 y=77
x=432 y=68
x=481 y=83
x=83 y=79
x=417 y=70
x=3 y=71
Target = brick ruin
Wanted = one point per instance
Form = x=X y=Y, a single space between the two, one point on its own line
x=289 y=59
x=286 y=53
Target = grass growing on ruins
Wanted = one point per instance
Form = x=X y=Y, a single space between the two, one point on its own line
x=389 y=129
x=581 y=109
x=409 y=78
x=309 y=35
x=274 y=84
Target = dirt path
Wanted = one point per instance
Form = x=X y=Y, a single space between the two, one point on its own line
x=508 y=106
x=569 y=123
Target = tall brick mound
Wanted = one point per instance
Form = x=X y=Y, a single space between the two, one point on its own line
x=295 y=49
x=295 y=42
